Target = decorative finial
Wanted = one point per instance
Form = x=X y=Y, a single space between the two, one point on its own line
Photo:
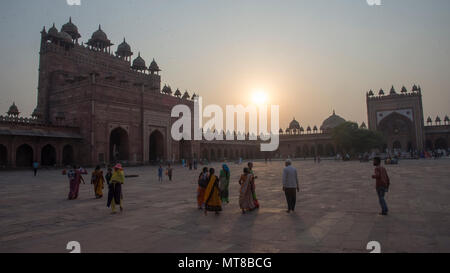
x=70 y=19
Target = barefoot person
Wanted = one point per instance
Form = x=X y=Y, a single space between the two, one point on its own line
x=115 y=196
x=98 y=181
x=212 y=194
x=246 y=202
x=290 y=185
x=382 y=184
x=202 y=185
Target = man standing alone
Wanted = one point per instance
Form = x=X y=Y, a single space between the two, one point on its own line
x=290 y=185
x=35 y=167
x=382 y=184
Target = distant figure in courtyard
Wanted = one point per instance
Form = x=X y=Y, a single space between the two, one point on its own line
x=169 y=172
x=382 y=184
x=75 y=179
x=35 y=167
x=195 y=164
x=108 y=176
x=98 y=181
x=190 y=164
x=202 y=185
x=255 y=199
x=212 y=194
x=224 y=178
x=247 y=182
x=160 y=173
x=115 y=196
x=290 y=185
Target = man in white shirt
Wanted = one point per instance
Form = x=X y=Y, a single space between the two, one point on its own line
x=290 y=185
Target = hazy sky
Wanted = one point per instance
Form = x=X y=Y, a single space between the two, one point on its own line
x=312 y=56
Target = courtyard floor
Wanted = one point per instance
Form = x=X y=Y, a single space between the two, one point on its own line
x=337 y=211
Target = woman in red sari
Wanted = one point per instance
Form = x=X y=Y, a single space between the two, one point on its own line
x=75 y=179
x=247 y=182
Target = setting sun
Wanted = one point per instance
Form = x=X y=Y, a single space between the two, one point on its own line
x=259 y=97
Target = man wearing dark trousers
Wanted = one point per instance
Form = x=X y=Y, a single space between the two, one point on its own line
x=382 y=184
x=290 y=185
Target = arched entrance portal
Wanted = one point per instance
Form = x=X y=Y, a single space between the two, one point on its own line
x=68 y=155
x=118 y=145
x=156 y=146
x=24 y=156
x=3 y=156
x=399 y=131
x=48 y=156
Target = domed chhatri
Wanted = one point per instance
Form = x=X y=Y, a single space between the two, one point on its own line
x=392 y=92
x=139 y=63
x=124 y=50
x=53 y=32
x=294 y=125
x=37 y=113
x=177 y=93
x=71 y=29
x=154 y=68
x=99 y=40
x=186 y=95
x=13 y=110
x=65 y=37
x=332 y=122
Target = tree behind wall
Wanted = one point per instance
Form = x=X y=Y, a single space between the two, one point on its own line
x=352 y=139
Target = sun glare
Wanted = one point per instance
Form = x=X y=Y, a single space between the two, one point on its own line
x=259 y=97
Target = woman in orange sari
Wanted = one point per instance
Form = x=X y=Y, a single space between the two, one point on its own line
x=98 y=181
x=212 y=194
x=247 y=182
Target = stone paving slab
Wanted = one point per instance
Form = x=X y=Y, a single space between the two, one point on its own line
x=337 y=211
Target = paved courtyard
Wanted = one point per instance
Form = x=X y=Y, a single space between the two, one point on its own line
x=337 y=212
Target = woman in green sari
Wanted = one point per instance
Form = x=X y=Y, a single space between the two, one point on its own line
x=224 y=179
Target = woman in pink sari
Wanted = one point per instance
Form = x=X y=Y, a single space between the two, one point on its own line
x=247 y=183
x=75 y=179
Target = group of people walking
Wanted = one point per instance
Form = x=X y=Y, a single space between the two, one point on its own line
x=213 y=190
x=114 y=179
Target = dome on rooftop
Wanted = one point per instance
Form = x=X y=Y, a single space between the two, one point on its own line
x=332 y=122
x=294 y=125
x=71 y=29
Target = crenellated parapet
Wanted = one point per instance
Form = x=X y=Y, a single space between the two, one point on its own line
x=416 y=91
x=438 y=121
